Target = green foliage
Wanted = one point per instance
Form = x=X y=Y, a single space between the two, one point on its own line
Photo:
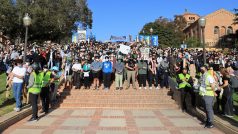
x=51 y=19
x=169 y=32
x=193 y=42
x=236 y=18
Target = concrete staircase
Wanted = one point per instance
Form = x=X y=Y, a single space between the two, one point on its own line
x=117 y=99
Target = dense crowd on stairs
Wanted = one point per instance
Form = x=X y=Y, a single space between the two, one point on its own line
x=95 y=65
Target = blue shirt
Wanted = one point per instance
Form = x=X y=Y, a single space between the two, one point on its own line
x=107 y=67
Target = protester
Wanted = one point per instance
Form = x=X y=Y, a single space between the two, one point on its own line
x=17 y=76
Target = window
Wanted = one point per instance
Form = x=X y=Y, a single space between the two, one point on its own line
x=216 y=30
x=229 y=30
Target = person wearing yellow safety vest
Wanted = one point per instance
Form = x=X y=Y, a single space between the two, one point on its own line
x=34 y=89
x=207 y=90
x=48 y=78
x=185 y=82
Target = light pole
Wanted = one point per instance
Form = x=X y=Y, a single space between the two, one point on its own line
x=27 y=23
x=151 y=31
x=202 y=24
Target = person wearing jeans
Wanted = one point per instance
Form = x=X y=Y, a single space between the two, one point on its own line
x=17 y=76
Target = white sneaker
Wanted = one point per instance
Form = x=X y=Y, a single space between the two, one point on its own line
x=140 y=88
x=145 y=88
x=157 y=88
x=150 y=88
x=17 y=109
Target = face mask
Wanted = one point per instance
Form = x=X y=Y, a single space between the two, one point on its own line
x=106 y=59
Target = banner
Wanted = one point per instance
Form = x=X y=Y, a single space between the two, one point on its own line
x=82 y=35
x=119 y=38
x=75 y=38
x=124 y=49
x=155 y=40
x=149 y=40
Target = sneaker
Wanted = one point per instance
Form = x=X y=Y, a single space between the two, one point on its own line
x=150 y=88
x=209 y=125
x=145 y=88
x=230 y=116
x=157 y=88
x=117 y=88
x=121 y=88
x=140 y=88
x=17 y=109
x=33 y=119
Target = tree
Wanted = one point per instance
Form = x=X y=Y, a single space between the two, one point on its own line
x=51 y=19
x=236 y=18
x=168 y=33
x=193 y=42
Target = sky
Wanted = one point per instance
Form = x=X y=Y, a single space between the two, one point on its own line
x=124 y=17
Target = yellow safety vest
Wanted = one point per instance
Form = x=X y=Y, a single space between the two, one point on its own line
x=184 y=84
x=36 y=88
x=209 y=91
x=46 y=78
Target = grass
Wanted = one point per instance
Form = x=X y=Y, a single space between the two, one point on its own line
x=235 y=99
x=6 y=105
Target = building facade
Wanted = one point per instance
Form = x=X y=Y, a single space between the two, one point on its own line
x=219 y=29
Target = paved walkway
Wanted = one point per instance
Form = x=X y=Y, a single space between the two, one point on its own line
x=97 y=121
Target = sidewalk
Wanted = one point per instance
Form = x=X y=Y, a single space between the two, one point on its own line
x=98 y=121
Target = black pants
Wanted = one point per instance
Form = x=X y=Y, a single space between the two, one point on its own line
x=86 y=82
x=33 y=101
x=45 y=98
x=184 y=92
x=106 y=80
x=76 y=79
x=142 y=80
x=227 y=101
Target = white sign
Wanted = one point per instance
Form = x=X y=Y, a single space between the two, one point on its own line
x=124 y=49
x=82 y=35
x=145 y=53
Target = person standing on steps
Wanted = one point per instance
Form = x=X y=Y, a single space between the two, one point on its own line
x=34 y=89
x=96 y=67
x=207 y=90
x=107 y=71
x=17 y=76
x=131 y=72
x=185 y=82
x=119 y=66
x=77 y=70
x=48 y=78
x=142 y=73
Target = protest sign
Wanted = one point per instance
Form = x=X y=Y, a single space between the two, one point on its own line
x=124 y=49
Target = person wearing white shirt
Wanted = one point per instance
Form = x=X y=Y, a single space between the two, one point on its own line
x=77 y=69
x=17 y=76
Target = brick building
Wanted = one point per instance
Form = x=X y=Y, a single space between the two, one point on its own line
x=219 y=30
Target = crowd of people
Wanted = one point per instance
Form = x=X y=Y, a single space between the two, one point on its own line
x=94 y=66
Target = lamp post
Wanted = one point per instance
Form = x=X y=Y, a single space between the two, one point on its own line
x=202 y=24
x=151 y=31
x=27 y=23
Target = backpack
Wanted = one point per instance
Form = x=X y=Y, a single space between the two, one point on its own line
x=234 y=81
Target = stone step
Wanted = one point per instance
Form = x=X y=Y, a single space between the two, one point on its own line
x=111 y=97
x=118 y=106
x=115 y=101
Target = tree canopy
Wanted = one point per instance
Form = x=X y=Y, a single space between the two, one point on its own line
x=51 y=19
x=170 y=32
x=236 y=18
